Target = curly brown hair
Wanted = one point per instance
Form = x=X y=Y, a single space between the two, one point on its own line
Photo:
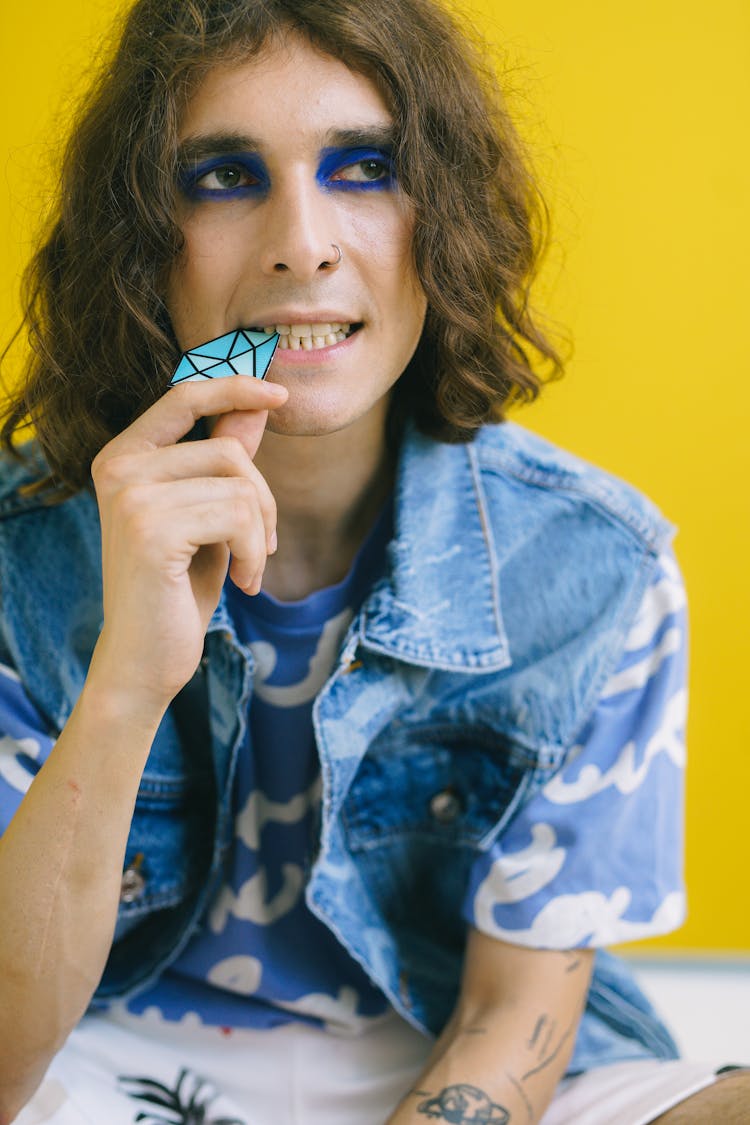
x=102 y=347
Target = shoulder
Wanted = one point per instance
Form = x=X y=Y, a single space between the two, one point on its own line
x=522 y=471
x=18 y=498
x=42 y=542
x=16 y=474
x=50 y=585
x=575 y=550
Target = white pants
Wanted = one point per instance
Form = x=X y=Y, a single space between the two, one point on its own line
x=115 y=1067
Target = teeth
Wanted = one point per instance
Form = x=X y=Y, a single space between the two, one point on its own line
x=305 y=329
x=308 y=336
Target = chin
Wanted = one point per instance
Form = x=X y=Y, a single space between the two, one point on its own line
x=319 y=418
x=299 y=428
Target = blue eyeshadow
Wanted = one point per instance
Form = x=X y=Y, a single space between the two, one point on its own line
x=189 y=177
x=334 y=160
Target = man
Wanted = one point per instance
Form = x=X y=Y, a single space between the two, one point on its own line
x=325 y=732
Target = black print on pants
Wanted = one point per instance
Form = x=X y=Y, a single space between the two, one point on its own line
x=188 y=1103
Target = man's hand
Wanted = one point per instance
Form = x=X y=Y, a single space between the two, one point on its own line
x=509 y=1040
x=171 y=513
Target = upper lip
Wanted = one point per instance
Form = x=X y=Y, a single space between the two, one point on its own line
x=304 y=316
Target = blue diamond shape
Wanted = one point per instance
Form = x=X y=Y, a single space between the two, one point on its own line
x=242 y=352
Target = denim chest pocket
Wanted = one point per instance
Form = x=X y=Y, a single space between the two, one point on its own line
x=449 y=783
x=425 y=801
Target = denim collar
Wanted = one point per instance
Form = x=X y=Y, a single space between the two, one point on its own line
x=439 y=604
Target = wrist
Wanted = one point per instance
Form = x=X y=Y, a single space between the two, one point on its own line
x=122 y=700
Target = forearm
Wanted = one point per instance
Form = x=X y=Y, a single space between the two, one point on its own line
x=509 y=1040
x=506 y=1062
x=61 y=863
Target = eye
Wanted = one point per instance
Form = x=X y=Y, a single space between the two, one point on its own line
x=228 y=176
x=225 y=178
x=357 y=168
x=365 y=171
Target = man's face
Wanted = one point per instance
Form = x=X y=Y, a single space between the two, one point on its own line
x=283 y=157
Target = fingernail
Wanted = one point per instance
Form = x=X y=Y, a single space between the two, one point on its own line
x=276 y=389
x=273 y=543
x=257 y=583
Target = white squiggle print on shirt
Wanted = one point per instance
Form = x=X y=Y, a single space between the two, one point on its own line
x=240 y=973
x=14 y=772
x=625 y=775
x=518 y=875
x=337 y=1012
x=260 y=809
x=321 y=662
x=660 y=601
x=153 y=1016
x=250 y=903
x=637 y=675
x=591 y=917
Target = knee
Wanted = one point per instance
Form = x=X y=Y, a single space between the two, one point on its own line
x=727 y=1100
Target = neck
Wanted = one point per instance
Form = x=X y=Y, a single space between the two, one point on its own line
x=329 y=491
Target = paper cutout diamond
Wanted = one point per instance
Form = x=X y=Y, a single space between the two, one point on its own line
x=243 y=352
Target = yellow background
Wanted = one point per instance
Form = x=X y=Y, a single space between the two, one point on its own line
x=637 y=116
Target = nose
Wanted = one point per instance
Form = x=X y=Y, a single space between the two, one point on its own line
x=299 y=236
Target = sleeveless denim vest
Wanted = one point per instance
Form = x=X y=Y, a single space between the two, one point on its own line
x=511 y=583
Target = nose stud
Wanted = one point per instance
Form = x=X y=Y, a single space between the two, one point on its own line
x=329 y=265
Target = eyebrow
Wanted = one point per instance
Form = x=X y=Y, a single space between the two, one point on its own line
x=204 y=145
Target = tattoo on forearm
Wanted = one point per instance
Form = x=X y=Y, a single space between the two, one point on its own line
x=541 y=1036
x=522 y=1095
x=547 y=1039
x=463 y=1105
x=574 y=961
x=536 y=1032
x=546 y=1060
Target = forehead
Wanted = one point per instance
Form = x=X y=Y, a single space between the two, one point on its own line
x=289 y=86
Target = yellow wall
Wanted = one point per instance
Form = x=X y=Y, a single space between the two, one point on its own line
x=637 y=115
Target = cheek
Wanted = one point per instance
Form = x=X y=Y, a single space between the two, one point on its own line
x=200 y=285
x=384 y=246
x=381 y=228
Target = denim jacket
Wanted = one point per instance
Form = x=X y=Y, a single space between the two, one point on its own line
x=511 y=582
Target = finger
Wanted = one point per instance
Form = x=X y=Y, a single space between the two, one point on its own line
x=241 y=530
x=166 y=524
x=215 y=457
x=244 y=426
x=176 y=412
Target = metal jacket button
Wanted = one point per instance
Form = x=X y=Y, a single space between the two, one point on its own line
x=133 y=880
x=446 y=806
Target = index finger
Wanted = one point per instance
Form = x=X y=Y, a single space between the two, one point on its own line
x=177 y=411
